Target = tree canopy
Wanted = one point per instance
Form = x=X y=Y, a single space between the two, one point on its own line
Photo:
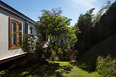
x=55 y=26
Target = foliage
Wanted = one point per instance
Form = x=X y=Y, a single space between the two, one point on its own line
x=91 y=27
x=101 y=57
x=28 y=43
x=85 y=21
x=26 y=61
x=29 y=46
x=53 y=56
x=106 y=66
x=56 y=28
x=104 y=7
x=84 y=24
x=51 y=69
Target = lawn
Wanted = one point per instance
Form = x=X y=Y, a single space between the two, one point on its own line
x=51 y=69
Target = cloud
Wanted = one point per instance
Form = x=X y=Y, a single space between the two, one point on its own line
x=85 y=4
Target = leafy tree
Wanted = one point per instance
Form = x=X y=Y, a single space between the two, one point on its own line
x=56 y=28
x=84 y=23
x=87 y=23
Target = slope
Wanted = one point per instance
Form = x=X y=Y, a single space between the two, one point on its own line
x=100 y=55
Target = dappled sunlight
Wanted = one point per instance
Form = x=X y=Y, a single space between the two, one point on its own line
x=50 y=69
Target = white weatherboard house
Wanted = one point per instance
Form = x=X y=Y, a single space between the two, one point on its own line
x=12 y=21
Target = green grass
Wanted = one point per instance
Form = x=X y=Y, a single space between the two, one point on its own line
x=51 y=69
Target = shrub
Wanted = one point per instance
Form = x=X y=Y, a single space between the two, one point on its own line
x=106 y=66
x=59 y=53
x=53 y=56
x=28 y=43
x=28 y=60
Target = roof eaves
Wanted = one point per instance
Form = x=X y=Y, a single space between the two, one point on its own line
x=14 y=11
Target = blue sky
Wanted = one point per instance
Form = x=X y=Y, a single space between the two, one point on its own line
x=71 y=8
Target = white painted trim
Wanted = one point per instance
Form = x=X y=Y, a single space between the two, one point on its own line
x=12 y=56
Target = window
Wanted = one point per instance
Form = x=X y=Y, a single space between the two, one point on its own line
x=15 y=33
x=30 y=30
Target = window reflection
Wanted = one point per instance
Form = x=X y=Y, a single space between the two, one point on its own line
x=19 y=33
x=13 y=33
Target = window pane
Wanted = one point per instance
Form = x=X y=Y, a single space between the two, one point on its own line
x=30 y=30
x=13 y=33
x=19 y=33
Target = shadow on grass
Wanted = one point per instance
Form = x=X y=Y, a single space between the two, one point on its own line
x=83 y=66
x=38 y=70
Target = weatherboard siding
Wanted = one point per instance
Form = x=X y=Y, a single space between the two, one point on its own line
x=6 y=12
x=5 y=52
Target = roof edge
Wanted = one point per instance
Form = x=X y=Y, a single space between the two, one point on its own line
x=14 y=11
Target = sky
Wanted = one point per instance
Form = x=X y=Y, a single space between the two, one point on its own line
x=71 y=8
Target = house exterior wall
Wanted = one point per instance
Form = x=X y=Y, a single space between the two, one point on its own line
x=31 y=25
x=5 y=52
